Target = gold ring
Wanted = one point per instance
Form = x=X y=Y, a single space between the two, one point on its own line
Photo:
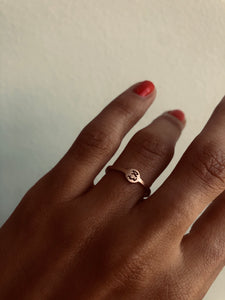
x=133 y=176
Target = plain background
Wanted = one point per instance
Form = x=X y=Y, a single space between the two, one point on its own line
x=62 y=61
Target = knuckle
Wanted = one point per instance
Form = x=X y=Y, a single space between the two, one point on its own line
x=208 y=163
x=95 y=140
x=149 y=146
x=123 y=108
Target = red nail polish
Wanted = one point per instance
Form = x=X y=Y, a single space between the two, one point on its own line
x=144 y=88
x=178 y=114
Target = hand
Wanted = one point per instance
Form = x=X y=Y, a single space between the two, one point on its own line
x=71 y=239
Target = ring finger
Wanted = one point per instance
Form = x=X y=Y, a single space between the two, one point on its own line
x=149 y=151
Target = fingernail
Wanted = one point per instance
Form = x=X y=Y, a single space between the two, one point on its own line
x=179 y=114
x=144 y=88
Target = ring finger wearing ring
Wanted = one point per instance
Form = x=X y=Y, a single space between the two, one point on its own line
x=144 y=158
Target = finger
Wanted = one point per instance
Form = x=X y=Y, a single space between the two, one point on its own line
x=204 y=246
x=149 y=151
x=196 y=180
x=98 y=141
x=194 y=281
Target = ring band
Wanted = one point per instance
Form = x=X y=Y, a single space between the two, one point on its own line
x=133 y=176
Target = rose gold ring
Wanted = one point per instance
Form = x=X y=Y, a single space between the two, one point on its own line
x=133 y=176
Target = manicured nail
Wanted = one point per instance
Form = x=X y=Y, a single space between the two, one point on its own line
x=179 y=114
x=144 y=88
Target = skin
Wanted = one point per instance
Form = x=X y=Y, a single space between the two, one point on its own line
x=71 y=239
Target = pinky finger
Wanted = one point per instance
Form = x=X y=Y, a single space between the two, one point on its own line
x=204 y=246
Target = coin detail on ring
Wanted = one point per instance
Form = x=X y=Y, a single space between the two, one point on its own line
x=133 y=175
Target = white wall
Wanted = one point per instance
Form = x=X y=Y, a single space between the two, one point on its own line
x=63 y=60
